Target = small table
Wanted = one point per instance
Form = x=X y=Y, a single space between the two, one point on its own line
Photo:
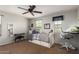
x=19 y=37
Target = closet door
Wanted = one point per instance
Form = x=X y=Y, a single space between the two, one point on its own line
x=10 y=31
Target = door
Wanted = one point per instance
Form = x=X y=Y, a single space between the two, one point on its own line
x=10 y=31
x=57 y=31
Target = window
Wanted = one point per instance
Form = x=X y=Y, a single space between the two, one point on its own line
x=58 y=19
x=38 y=25
x=58 y=22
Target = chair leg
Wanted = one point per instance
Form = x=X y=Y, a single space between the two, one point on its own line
x=67 y=49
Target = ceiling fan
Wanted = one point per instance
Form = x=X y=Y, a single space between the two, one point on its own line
x=30 y=10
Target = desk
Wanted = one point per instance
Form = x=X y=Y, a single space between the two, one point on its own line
x=72 y=32
x=75 y=34
x=72 y=44
x=75 y=40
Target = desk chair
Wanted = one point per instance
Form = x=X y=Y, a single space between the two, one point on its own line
x=66 y=38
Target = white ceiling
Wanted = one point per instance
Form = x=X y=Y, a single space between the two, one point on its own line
x=46 y=9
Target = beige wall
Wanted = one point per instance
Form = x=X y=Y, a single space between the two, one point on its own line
x=70 y=19
x=20 y=25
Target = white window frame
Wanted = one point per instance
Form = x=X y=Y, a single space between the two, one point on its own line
x=38 y=27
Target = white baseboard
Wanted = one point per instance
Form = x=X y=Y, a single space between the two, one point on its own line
x=4 y=43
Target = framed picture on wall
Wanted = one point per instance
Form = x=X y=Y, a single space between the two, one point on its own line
x=47 y=26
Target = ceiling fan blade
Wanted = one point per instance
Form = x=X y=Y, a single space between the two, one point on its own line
x=32 y=13
x=24 y=12
x=22 y=8
x=37 y=11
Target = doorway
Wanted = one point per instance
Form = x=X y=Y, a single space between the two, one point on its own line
x=57 y=30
